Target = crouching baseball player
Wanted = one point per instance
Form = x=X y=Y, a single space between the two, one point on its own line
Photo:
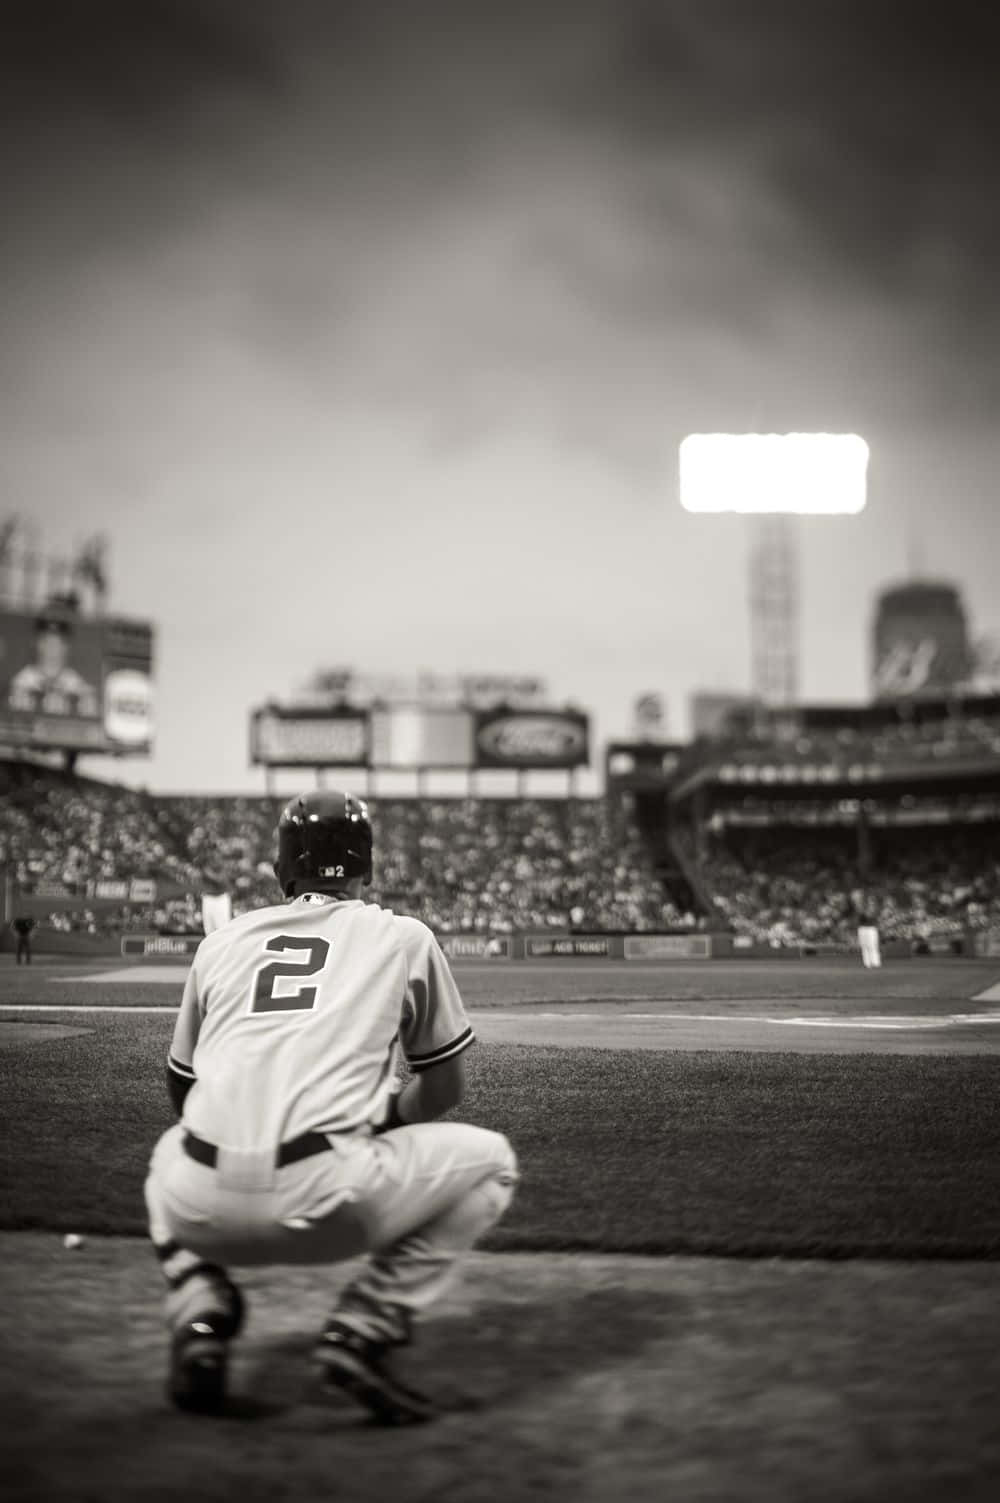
x=295 y=1143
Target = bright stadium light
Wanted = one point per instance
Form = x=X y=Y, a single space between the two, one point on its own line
x=809 y=474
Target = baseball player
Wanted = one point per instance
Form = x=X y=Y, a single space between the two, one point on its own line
x=868 y=941
x=296 y=1143
x=23 y=926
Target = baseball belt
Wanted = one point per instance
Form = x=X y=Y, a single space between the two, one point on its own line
x=302 y=1147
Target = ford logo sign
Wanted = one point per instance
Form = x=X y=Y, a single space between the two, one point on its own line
x=534 y=738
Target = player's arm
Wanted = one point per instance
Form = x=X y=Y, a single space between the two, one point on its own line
x=435 y=1033
x=430 y=1094
x=180 y=1069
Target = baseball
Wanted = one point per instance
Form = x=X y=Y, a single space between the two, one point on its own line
x=72 y=1240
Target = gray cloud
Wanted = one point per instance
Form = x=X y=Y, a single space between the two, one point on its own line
x=568 y=214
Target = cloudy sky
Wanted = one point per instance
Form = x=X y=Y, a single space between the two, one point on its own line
x=368 y=332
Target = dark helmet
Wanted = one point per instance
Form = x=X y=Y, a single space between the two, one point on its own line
x=324 y=838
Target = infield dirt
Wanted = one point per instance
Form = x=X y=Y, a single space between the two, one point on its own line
x=583 y=1377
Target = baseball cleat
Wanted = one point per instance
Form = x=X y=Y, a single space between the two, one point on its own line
x=355 y=1365
x=198 y=1358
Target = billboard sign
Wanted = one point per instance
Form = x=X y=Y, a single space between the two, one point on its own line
x=519 y=690
x=120 y=890
x=567 y=947
x=160 y=946
x=283 y=736
x=418 y=735
x=667 y=947
x=538 y=739
x=431 y=690
x=475 y=946
x=74 y=682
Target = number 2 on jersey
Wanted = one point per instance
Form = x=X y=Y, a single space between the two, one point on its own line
x=304 y=998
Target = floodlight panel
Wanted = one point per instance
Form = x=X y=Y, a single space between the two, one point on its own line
x=809 y=473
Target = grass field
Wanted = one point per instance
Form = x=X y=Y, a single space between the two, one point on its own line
x=653 y=1152
x=837 y=1337
x=923 y=983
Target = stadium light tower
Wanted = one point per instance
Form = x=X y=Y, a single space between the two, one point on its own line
x=773 y=478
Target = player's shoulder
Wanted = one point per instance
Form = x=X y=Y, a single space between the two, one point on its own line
x=404 y=929
x=412 y=933
x=253 y=920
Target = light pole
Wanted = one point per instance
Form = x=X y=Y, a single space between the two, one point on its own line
x=774 y=478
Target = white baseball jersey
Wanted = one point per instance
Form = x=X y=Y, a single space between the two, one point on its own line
x=293 y=1018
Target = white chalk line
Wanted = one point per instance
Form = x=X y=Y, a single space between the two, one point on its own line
x=861 y=1021
x=81 y=1007
x=848 y=1020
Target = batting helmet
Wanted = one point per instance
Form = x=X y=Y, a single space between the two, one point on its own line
x=323 y=838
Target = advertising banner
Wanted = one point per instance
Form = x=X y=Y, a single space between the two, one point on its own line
x=117 y=890
x=50 y=889
x=161 y=946
x=986 y=943
x=532 y=739
x=668 y=947
x=483 y=690
x=475 y=947
x=283 y=736
x=578 y=946
x=427 y=736
x=75 y=683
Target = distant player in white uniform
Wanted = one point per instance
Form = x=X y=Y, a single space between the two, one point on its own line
x=868 y=941
x=296 y=1143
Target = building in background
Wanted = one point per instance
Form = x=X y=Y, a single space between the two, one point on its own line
x=715 y=713
x=920 y=641
x=649 y=717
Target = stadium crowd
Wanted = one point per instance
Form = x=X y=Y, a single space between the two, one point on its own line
x=784 y=888
x=463 y=865
x=491 y=866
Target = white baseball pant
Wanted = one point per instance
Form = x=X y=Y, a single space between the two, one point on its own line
x=415 y=1198
x=868 y=941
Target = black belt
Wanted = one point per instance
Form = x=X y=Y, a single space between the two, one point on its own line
x=288 y=1153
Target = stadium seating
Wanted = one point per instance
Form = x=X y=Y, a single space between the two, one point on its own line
x=492 y=866
x=790 y=887
x=969 y=735
x=463 y=865
x=479 y=865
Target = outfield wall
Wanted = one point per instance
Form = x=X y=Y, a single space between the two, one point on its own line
x=498 y=948
x=551 y=947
